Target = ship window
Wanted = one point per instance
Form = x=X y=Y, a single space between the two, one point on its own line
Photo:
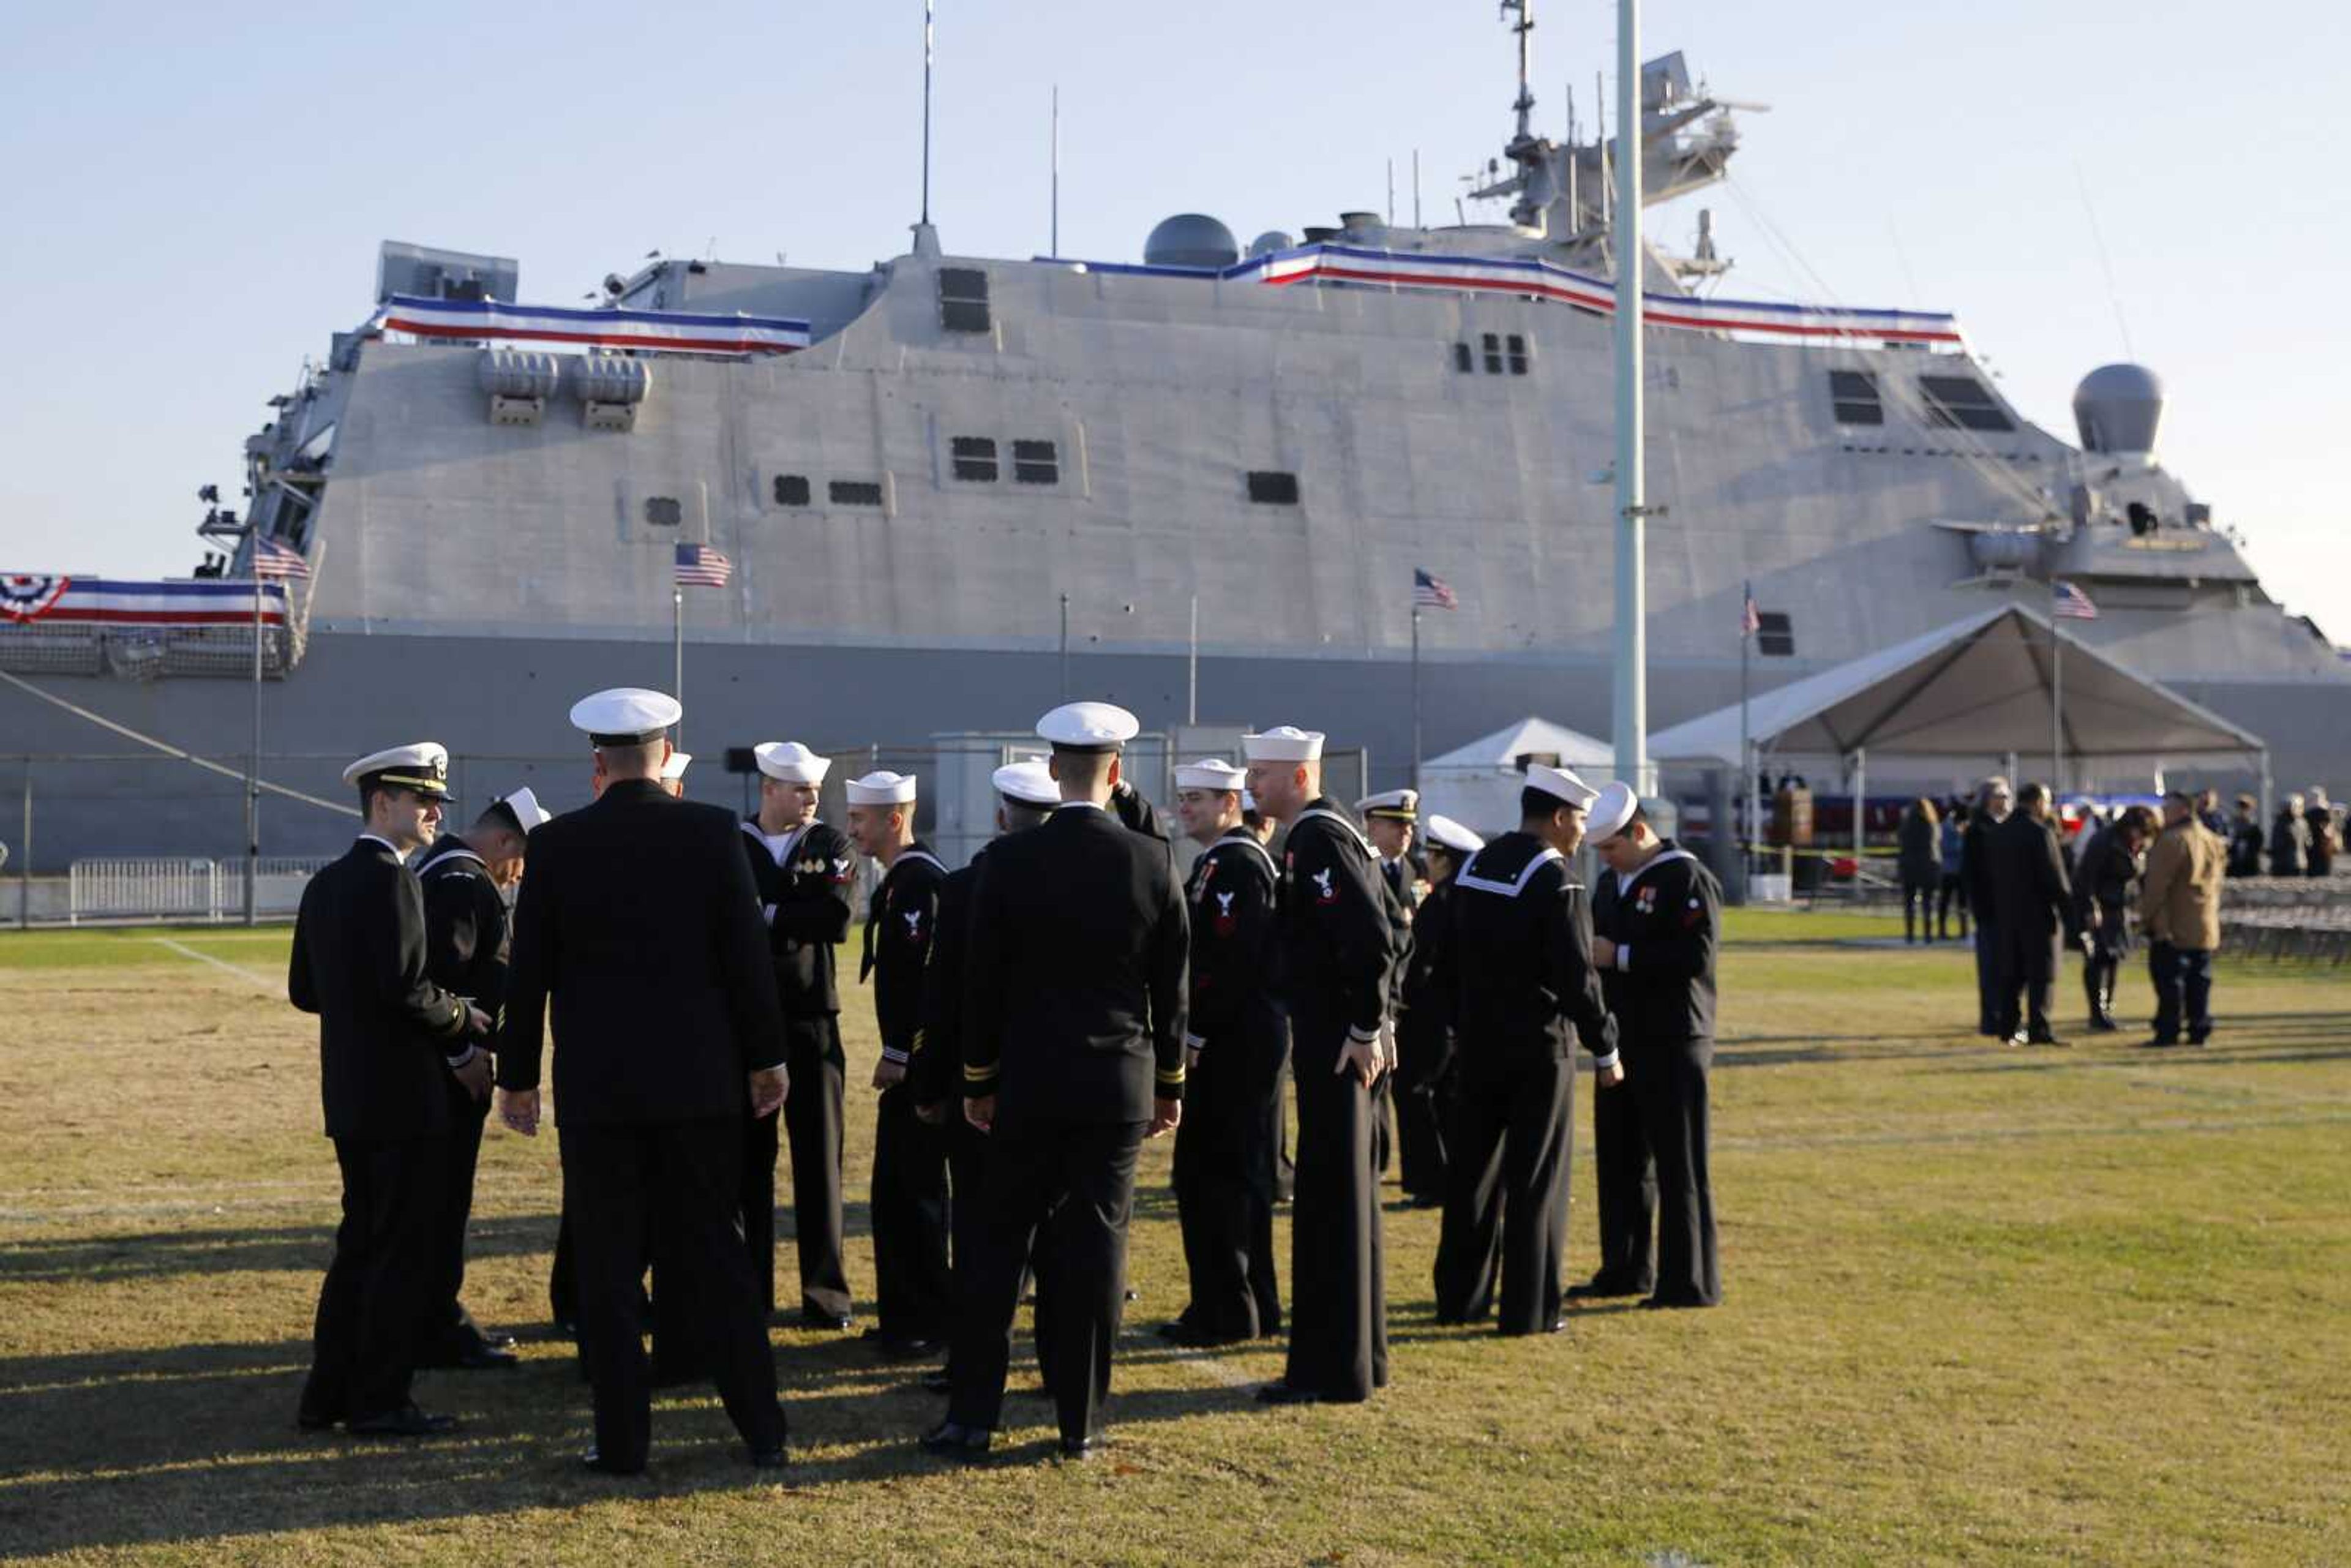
x=1463 y=361
x=1962 y=402
x=1775 y=634
x=1517 y=347
x=975 y=458
x=1493 y=346
x=1854 y=395
x=791 y=490
x=854 y=493
x=1036 y=463
x=664 y=511
x=1273 y=489
x=963 y=299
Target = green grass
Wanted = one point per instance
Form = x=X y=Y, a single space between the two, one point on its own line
x=1980 y=1306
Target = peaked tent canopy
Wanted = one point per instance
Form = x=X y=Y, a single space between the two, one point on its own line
x=1477 y=784
x=1980 y=688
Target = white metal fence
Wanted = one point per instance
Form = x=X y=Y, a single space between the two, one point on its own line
x=176 y=888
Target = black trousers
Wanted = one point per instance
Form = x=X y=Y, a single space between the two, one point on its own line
x=2102 y=965
x=449 y=1330
x=2029 y=961
x=1419 y=1107
x=812 y=1120
x=1627 y=1181
x=379 y=1288
x=1338 y=1306
x=1506 y=1198
x=1987 y=965
x=1224 y=1187
x=1067 y=1189
x=911 y=1299
x=1949 y=894
x=2183 y=990
x=1668 y=1082
x=1919 y=910
x=679 y=1182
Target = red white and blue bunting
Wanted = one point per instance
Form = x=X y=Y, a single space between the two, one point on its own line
x=658 y=331
x=57 y=600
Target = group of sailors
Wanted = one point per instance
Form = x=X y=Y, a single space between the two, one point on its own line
x=1043 y=1011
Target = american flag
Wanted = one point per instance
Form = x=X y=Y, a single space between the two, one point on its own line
x=1432 y=592
x=275 y=559
x=2070 y=603
x=699 y=566
x=1751 y=620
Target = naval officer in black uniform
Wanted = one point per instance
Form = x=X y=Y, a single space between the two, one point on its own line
x=1391 y=825
x=1337 y=953
x=1522 y=992
x=639 y=929
x=464 y=877
x=804 y=868
x=1026 y=796
x=1073 y=1053
x=1237 y=1042
x=1659 y=913
x=390 y=1044
x=911 y=1300
x=1424 y=1028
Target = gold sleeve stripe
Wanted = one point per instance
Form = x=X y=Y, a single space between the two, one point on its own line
x=972 y=1074
x=1171 y=1076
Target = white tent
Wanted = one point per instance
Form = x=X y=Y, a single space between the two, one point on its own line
x=1993 y=685
x=1477 y=784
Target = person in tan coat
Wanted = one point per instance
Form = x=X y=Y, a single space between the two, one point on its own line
x=2180 y=910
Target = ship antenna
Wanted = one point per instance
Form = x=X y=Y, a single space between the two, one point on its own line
x=928 y=22
x=1056 y=247
x=2106 y=262
x=1524 y=27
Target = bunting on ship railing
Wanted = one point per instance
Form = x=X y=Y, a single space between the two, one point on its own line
x=1529 y=277
x=57 y=600
x=658 y=331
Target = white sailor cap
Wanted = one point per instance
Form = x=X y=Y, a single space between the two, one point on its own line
x=1561 y=784
x=1029 y=782
x=522 y=809
x=883 y=789
x=1283 y=743
x=625 y=715
x=789 y=762
x=1450 y=836
x=421 y=766
x=674 y=768
x=1088 y=727
x=1210 y=773
x=1396 y=805
x=1611 y=812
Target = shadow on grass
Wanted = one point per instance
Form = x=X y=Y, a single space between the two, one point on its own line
x=197 y=1443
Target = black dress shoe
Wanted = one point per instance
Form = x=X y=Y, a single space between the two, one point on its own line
x=1286 y=1394
x=2044 y=1038
x=1191 y=1337
x=597 y=1464
x=908 y=1349
x=567 y=1328
x=1077 y=1450
x=770 y=1458
x=1599 y=1287
x=957 y=1440
x=816 y=1317
x=936 y=1382
x=482 y=1357
x=499 y=1339
x=1173 y=1329
x=2104 y=1025
x=2158 y=1042
x=407 y=1421
x=1672 y=1304
x=320 y=1419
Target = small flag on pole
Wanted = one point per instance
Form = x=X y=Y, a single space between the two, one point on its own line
x=2070 y=603
x=699 y=566
x=1431 y=592
x=275 y=559
x=1751 y=620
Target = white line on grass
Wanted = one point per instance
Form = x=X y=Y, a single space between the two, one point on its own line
x=264 y=981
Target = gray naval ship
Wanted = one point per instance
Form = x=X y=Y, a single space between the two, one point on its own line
x=951 y=487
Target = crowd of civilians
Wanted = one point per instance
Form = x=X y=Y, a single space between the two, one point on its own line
x=2004 y=866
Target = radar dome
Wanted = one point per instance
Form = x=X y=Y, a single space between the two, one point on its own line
x=1191 y=239
x=2118 y=409
x=1269 y=242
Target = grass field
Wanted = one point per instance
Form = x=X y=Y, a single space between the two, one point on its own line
x=1980 y=1306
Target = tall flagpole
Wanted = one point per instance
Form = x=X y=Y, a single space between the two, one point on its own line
x=927 y=24
x=1416 y=698
x=1192 y=668
x=1631 y=707
x=1746 y=753
x=677 y=654
x=253 y=768
x=2056 y=712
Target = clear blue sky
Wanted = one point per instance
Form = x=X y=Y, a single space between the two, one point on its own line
x=195 y=193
